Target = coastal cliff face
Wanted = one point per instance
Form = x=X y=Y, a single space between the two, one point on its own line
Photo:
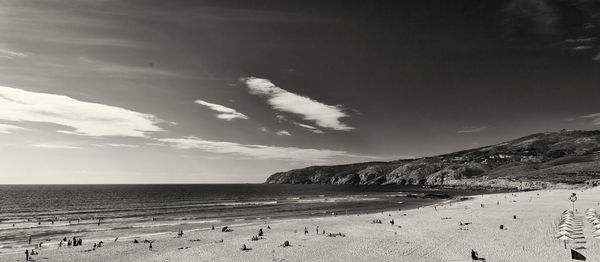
x=558 y=159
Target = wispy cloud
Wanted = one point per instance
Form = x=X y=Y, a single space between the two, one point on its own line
x=116 y=145
x=6 y=53
x=281 y=118
x=56 y=146
x=257 y=151
x=225 y=113
x=88 y=119
x=7 y=129
x=594 y=117
x=471 y=129
x=581 y=40
x=283 y=133
x=326 y=116
x=581 y=48
x=309 y=127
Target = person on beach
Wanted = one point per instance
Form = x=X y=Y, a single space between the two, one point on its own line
x=74 y=241
x=29 y=239
x=213 y=227
x=260 y=232
x=150 y=246
x=305 y=231
x=69 y=243
x=60 y=244
x=317 y=230
x=26 y=255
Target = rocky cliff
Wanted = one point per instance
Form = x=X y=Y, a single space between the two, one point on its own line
x=536 y=161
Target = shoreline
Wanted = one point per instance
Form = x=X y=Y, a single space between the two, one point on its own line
x=191 y=225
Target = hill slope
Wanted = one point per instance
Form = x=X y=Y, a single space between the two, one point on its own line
x=532 y=162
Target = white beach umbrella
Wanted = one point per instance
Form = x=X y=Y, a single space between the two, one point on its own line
x=565 y=238
x=563 y=233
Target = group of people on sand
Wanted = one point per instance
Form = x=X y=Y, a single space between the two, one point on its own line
x=259 y=236
x=180 y=234
x=29 y=254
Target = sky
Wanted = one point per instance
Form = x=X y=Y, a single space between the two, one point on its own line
x=109 y=91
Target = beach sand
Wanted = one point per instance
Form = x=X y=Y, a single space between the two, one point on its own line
x=426 y=234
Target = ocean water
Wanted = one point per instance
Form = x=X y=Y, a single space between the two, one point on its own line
x=48 y=213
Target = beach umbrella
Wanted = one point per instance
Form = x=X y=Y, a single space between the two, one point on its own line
x=565 y=238
x=563 y=233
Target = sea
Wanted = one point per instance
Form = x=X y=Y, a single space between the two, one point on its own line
x=48 y=213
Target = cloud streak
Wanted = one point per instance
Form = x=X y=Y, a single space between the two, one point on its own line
x=225 y=113
x=85 y=118
x=283 y=133
x=471 y=129
x=262 y=152
x=56 y=146
x=325 y=116
x=309 y=127
x=6 y=53
x=594 y=117
x=7 y=129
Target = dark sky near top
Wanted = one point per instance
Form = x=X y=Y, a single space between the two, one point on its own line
x=345 y=81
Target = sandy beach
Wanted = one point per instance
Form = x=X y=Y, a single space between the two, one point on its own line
x=424 y=234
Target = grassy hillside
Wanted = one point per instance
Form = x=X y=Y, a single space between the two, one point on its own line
x=534 y=161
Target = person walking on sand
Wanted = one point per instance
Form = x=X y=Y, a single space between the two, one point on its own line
x=305 y=231
x=150 y=246
x=26 y=255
